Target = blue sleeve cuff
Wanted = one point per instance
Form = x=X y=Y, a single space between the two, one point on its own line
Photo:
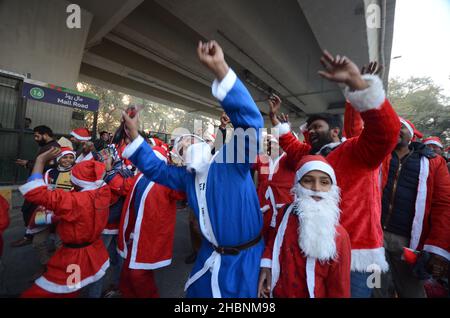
x=35 y=176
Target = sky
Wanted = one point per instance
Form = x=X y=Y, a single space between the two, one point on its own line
x=422 y=39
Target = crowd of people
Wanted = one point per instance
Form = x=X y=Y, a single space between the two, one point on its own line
x=356 y=208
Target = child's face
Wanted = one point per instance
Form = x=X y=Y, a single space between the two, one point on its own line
x=316 y=181
x=67 y=161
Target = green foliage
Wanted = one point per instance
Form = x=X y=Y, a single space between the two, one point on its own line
x=420 y=100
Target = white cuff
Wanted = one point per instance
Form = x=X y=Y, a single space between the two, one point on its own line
x=27 y=187
x=266 y=262
x=369 y=98
x=220 y=90
x=280 y=130
x=437 y=250
x=131 y=148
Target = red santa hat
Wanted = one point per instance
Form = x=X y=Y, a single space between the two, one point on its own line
x=433 y=141
x=161 y=153
x=411 y=128
x=81 y=134
x=65 y=151
x=88 y=174
x=314 y=162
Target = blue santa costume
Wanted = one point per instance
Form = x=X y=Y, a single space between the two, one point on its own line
x=226 y=196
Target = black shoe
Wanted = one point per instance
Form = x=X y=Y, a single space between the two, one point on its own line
x=191 y=258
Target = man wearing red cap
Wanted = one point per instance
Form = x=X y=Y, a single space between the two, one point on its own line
x=41 y=220
x=415 y=212
x=146 y=230
x=82 y=215
x=81 y=140
x=435 y=144
x=355 y=161
x=310 y=255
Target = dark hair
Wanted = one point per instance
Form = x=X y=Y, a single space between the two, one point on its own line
x=104 y=132
x=42 y=130
x=333 y=121
x=28 y=118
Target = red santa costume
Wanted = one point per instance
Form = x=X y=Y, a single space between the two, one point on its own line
x=4 y=220
x=146 y=230
x=310 y=254
x=275 y=180
x=431 y=223
x=356 y=162
x=82 y=216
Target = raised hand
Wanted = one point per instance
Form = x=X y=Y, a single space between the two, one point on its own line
x=274 y=105
x=224 y=120
x=340 y=69
x=131 y=125
x=211 y=55
x=50 y=154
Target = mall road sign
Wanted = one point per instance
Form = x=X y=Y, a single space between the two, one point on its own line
x=49 y=93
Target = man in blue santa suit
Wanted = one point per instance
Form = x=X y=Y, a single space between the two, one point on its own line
x=220 y=188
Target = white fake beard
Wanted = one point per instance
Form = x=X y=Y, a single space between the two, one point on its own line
x=317 y=221
x=198 y=157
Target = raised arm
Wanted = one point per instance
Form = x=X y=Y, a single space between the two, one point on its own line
x=294 y=149
x=366 y=95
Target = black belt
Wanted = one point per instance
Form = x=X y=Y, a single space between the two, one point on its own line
x=234 y=250
x=73 y=245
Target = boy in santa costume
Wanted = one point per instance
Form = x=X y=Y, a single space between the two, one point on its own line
x=81 y=215
x=219 y=189
x=39 y=227
x=310 y=255
x=275 y=176
x=146 y=231
x=355 y=161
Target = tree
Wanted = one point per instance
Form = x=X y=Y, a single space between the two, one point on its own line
x=420 y=100
x=155 y=117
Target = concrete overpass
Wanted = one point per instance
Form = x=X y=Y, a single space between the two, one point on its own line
x=147 y=48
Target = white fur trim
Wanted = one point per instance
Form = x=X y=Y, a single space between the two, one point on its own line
x=65 y=289
x=87 y=185
x=315 y=165
x=220 y=90
x=132 y=147
x=363 y=259
x=160 y=156
x=80 y=137
x=437 y=250
x=27 y=187
x=421 y=199
x=408 y=126
x=311 y=275
x=277 y=248
x=280 y=130
x=369 y=98
x=65 y=152
x=148 y=266
x=433 y=142
x=266 y=262
x=110 y=232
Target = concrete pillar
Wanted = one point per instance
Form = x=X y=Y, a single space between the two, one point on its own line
x=35 y=39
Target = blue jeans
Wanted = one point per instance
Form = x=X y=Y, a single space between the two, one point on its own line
x=358 y=284
x=95 y=289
